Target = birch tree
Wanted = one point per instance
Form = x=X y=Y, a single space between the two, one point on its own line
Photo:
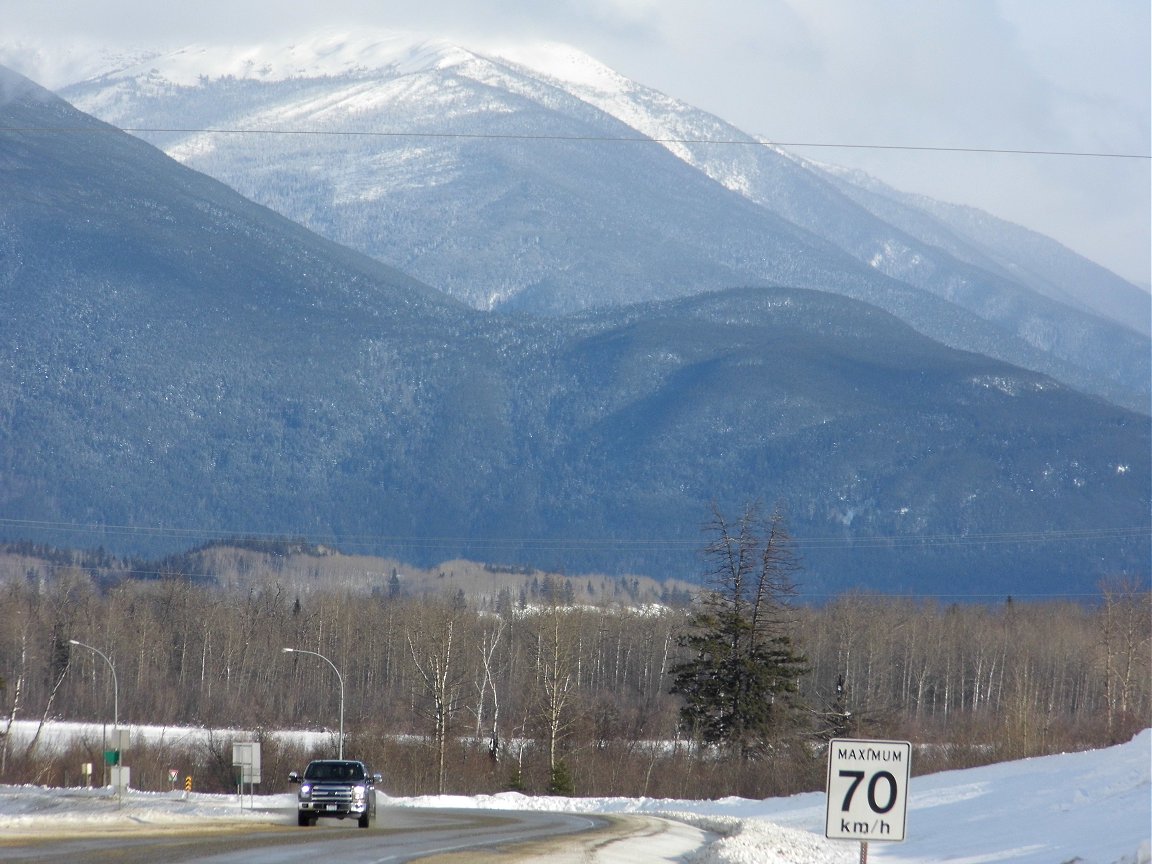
x=431 y=641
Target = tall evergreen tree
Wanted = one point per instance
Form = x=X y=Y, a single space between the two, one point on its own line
x=740 y=678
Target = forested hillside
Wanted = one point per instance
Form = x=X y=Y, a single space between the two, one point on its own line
x=182 y=364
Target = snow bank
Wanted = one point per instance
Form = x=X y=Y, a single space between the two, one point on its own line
x=1091 y=808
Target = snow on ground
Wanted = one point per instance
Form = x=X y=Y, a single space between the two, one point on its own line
x=1093 y=807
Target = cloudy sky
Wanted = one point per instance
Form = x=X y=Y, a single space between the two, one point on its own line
x=1033 y=75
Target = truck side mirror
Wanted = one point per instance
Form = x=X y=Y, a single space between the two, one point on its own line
x=376 y=778
x=293 y=777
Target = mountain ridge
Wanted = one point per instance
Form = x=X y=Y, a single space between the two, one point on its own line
x=545 y=192
x=185 y=363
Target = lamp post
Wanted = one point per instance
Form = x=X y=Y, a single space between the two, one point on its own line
x=339 y=678
x=115 y=694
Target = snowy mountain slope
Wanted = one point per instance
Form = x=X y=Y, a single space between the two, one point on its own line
x=1024 y=255
x=527 y=178
x=765 y=174
x=178 y=355
x=1025 y=283
x=492 y=191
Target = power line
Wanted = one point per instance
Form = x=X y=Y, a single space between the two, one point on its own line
x=612 y=139
x=582 y=543
x=942 y=149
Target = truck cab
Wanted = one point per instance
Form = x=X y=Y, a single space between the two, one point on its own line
x=335 y=788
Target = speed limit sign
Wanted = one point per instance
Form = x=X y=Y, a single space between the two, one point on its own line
x=867 y=789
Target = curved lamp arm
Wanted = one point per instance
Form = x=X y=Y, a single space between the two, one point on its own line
x=339 y=678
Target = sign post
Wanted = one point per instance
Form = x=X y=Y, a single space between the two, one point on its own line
x=867 y=791
x=246 y=757
x=121 y=773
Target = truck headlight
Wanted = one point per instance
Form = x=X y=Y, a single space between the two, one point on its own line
x=305 y=790
x=358 y=793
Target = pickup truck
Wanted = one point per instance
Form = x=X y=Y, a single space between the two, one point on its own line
x=337 y=788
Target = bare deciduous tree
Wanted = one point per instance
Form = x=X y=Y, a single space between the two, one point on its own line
x=432 y=642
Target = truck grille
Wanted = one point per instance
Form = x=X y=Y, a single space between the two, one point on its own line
x=325 y=794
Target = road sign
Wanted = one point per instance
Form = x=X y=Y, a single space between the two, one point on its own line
x=246 y=757
x=121 y=777
x=867 y=789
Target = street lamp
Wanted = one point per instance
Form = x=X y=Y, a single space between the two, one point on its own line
x=115 y=704
x=339 y=678
x=115 y=686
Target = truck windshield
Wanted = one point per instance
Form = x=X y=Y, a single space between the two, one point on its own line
x=334 y=771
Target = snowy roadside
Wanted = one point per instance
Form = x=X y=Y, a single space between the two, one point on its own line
x=1093 y=808
x=39 y=810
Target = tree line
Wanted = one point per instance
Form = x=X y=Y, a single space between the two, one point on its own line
x=556 y=688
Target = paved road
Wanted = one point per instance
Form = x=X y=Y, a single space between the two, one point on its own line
x=397 y=836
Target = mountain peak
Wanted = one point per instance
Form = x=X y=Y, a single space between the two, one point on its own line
x=564 y=63
x=327 y=53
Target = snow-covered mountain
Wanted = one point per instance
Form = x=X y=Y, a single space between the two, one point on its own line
x=177 y=355
x=534 y=178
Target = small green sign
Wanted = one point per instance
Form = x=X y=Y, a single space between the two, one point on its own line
x=111 y=757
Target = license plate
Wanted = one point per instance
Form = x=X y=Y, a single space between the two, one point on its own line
x=330 y=807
